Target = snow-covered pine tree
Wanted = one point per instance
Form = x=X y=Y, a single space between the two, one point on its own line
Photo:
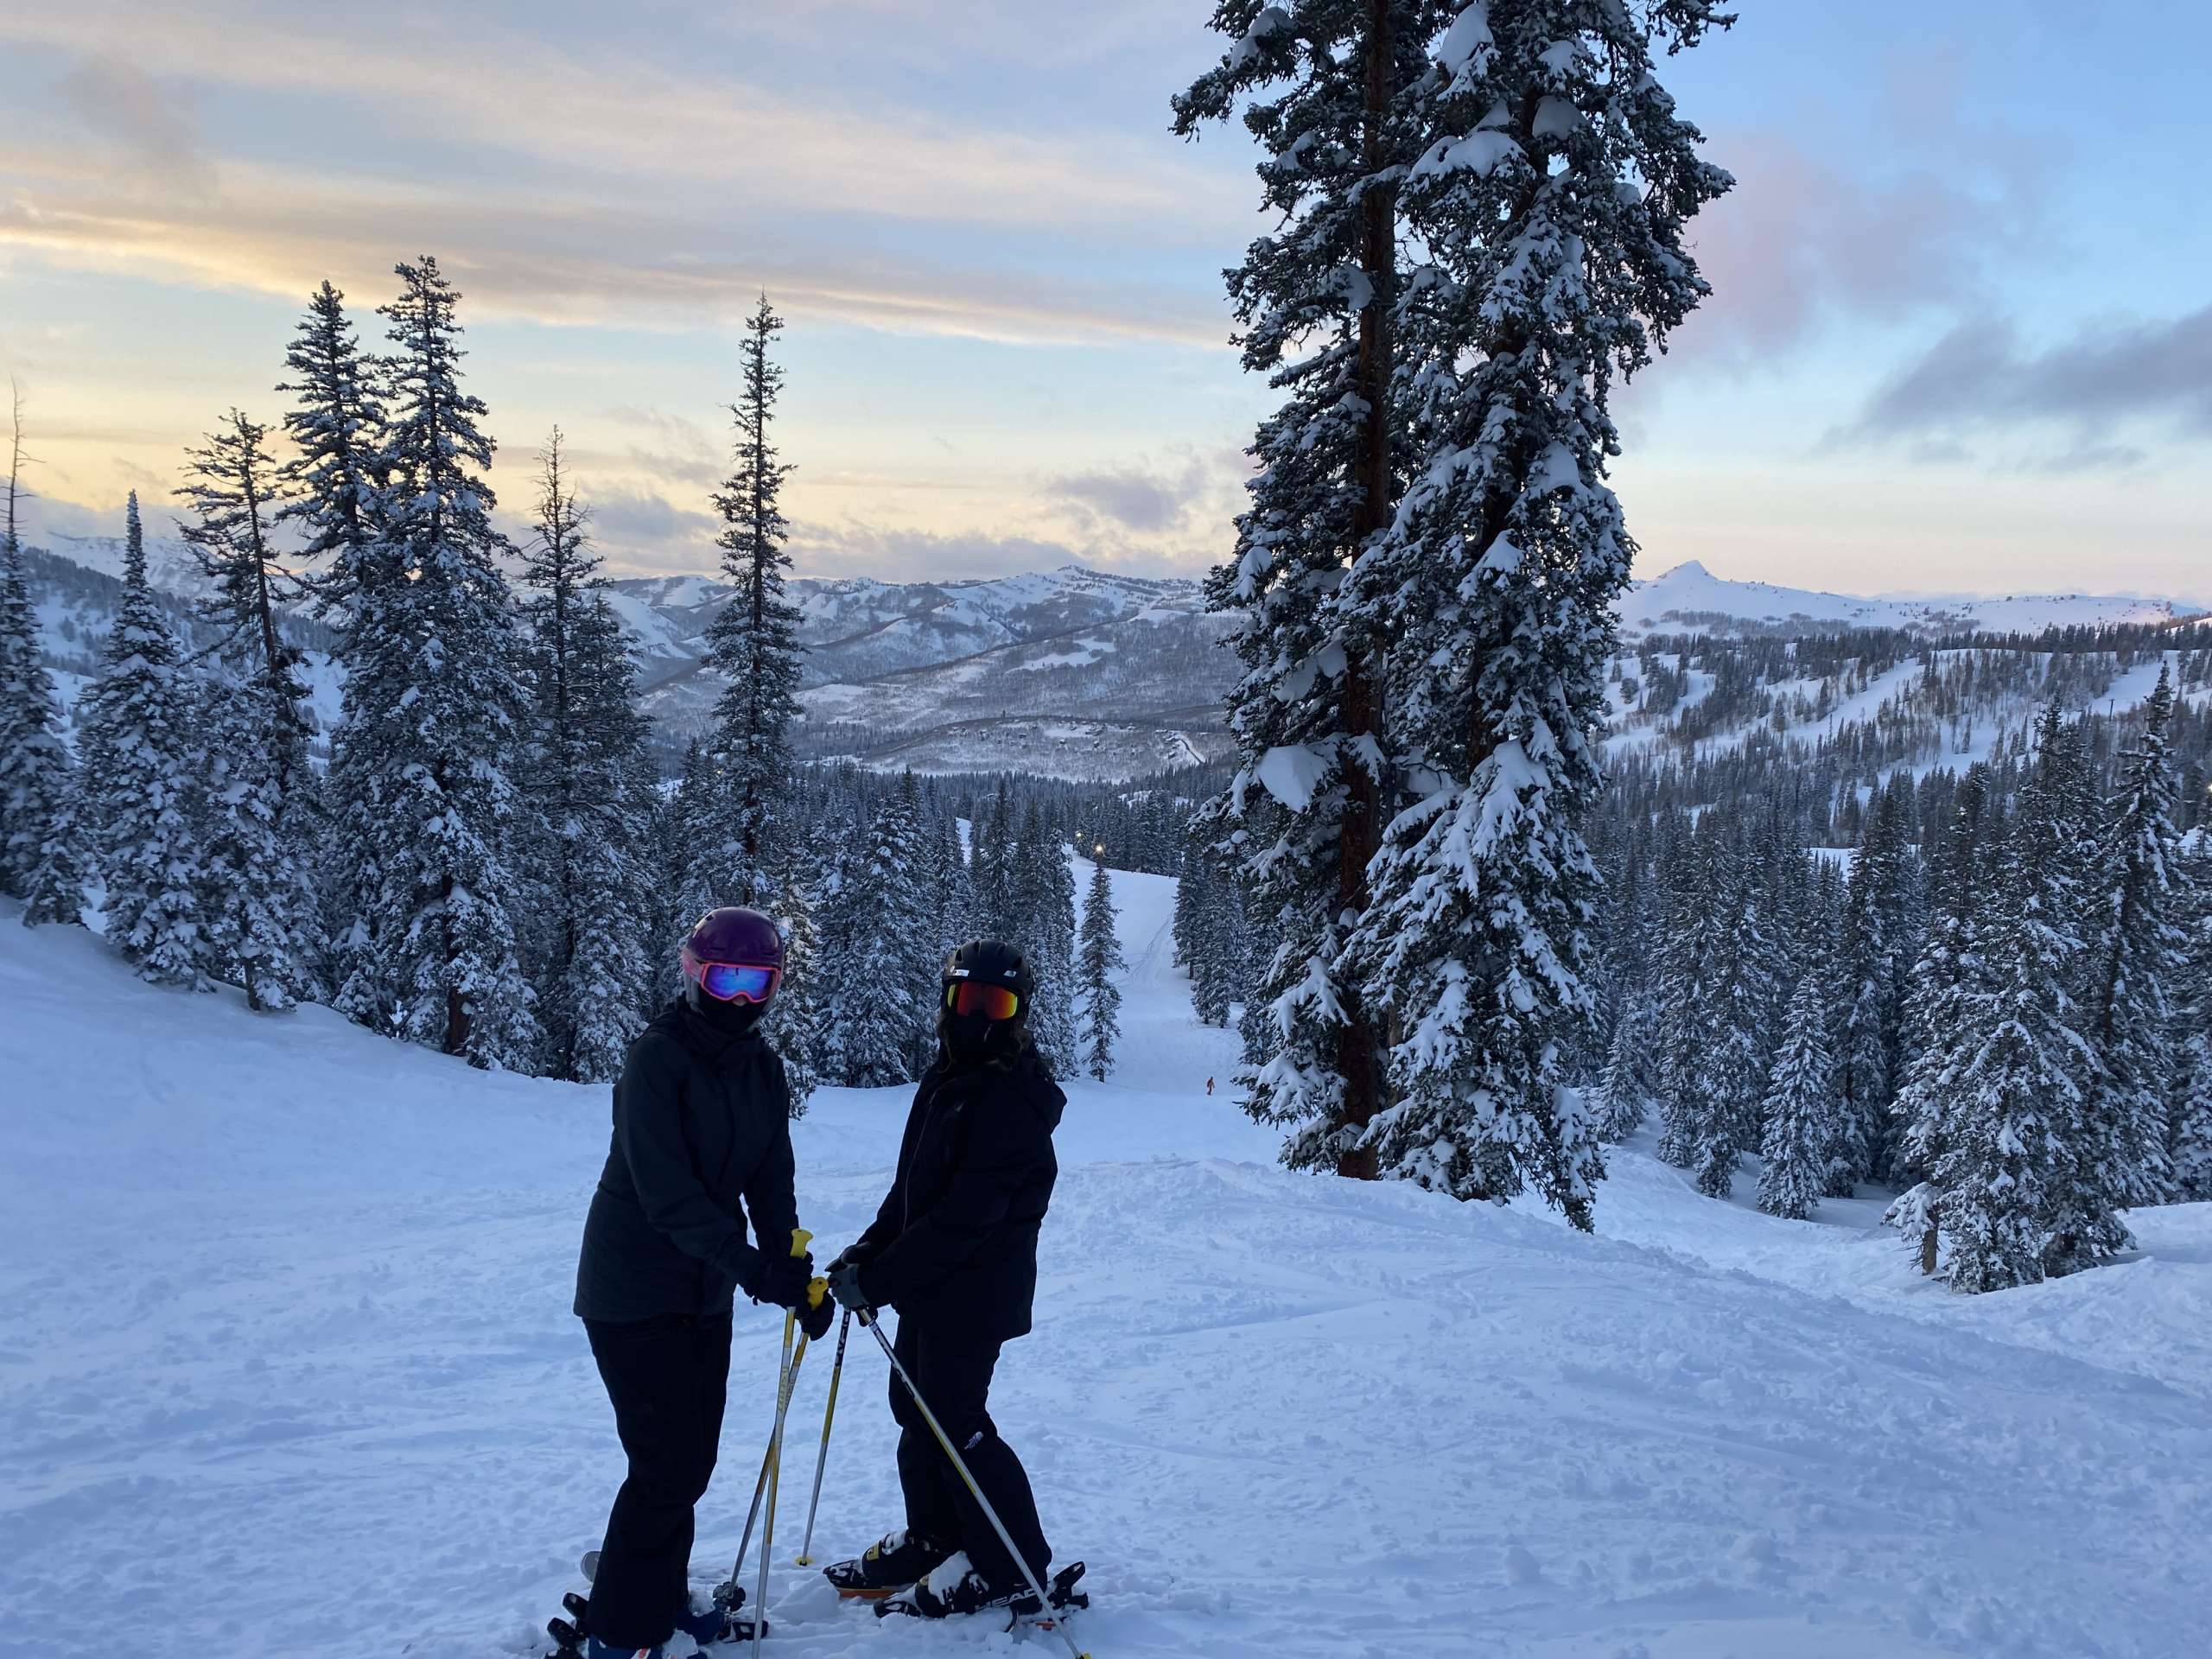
x=1629 y=941
x=839 y=835
x=1256 y=1026
x=1097 y=962
x=1701 y=1080
x=1801 y=1108
x=437 y=709
x=1945 y=980
x=1627 y=1087
x=1548 y=202
x=232 y=488
x=256 y=897
x=795 y=1021
x=2138 y=966
x=2189 y=1133
x=2007 y=1186
x=264 y=918
x=886 y=926
x=686 y=847
x=1205 y=923
x=992 y=867
x=1044 y=885
x=40 y=862
x=332 y=488
x=584 y=755
x=1326 y=87
x=2086 y=1226
x=1740 y=1018
x=753 y=643
x=334 y=480
x=955 y=894
x=145 y=770
x=1869 y=1041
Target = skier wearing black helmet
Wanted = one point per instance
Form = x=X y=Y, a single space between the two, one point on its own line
x=701 y=1144
x=954 y=1250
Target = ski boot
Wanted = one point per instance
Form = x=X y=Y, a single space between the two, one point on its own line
x=886 y=1566
x=955 y=1588
x=570 y=1634
x=721 y=1621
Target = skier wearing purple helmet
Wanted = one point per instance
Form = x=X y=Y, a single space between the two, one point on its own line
x=702 y=1144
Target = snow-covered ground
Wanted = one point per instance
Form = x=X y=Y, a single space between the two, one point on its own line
x=286 y=1368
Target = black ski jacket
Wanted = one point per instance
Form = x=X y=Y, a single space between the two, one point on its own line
x=954 y=1242
x=702 y=1138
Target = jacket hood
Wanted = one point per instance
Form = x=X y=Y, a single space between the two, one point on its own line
x=1049 y=1099
x=1025 y=1072
x=1044 y=1096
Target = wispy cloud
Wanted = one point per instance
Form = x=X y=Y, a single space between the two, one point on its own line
x=1801 y=244
x=1136 y=499
x=155 y=126
x=638 y=529
x=2152 y=375
x=584 y=184
x=855 y=549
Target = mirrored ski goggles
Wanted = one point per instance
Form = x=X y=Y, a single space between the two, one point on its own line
x=734 y=981
x=973 y=996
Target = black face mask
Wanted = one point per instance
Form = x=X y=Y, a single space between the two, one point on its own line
x=735 y=1018
x=968 y=1039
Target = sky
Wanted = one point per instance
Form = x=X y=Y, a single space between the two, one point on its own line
x=1961 y=338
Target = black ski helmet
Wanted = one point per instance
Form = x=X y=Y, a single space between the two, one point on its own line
x=985 y=963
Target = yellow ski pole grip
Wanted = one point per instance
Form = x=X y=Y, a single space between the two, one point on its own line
x=800 y=1239
x=816 y=1290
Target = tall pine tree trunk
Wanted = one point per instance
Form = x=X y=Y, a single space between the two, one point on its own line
x=1360 y=833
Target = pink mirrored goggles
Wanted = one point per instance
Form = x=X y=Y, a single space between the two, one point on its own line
x=732 y=982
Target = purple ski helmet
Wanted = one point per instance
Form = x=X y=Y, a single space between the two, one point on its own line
x=734 y=955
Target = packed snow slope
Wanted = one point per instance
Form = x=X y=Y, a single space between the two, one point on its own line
x=287 y=1368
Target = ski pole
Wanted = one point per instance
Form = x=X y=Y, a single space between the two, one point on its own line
x=752 y=1515
x=729 y=1594
x=960 y=1466
x=821 y=1456
x=815 y=1291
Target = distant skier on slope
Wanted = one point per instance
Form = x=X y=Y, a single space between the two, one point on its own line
x=954 y=1250
x=702 y=1140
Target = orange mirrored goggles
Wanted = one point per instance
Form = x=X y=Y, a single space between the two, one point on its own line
x=972 y=996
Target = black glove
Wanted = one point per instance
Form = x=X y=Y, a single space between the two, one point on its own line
x=845 y=1286
x=814 y=1319
x=782 y=1280
x=851 y=1256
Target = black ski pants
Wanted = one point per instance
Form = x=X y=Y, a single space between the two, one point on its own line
x=953 y=1372
x=668 y=1377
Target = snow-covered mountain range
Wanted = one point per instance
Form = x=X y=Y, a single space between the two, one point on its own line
x=1075 y=673
x=1072 y=673
x=1689 y=599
